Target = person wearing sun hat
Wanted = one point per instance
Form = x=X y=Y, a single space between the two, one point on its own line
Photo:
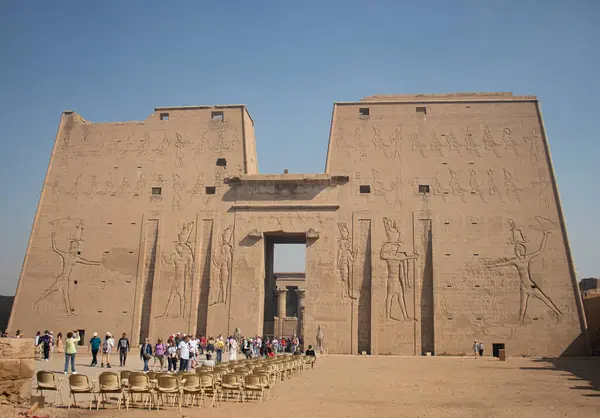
x=107 y=348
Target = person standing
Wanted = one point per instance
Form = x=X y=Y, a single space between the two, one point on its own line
x=123 y=345
x=480 y=348
x=313 y=356
x=475 y=348
x=59 y=342
x=146 y=353
x=95 y=343
x=159 y=354
x=219 y=346
x=233 y=346
x=172 y=357
x=184 y=354
x=71 y=350
x=210 y=347
x=107 y=348
x=44 y=341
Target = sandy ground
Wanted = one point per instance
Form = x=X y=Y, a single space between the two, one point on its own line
x=350 y=386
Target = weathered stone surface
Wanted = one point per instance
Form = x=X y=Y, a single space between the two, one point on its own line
x=15 y=390
x=16 y=348
x=27 y=368
x=437 y=222
x=10 y=369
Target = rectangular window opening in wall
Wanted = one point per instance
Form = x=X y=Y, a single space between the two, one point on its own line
x=217 y=116
x=139 y=166
x=421 y=109
x=133 y=223
x=211 y=190
x=109 y=223
x=164 y=116
x=477 y=285
x=130 y=252
x=444 y=163
x=448 y=254
x=424 y=188
x=75 y=281
x=476 y=254
x=364 y=189
x=446 y=222
x=221 y=162
x=363 y=111
x=156 y=191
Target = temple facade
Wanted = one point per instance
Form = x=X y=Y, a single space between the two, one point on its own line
x=437 y=222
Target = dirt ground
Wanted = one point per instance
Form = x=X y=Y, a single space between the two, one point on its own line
x=353 y=386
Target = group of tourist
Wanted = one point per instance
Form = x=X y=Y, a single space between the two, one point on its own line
x=478 y=348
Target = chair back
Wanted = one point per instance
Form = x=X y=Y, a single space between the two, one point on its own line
x=207 y=380
x=109 y=381
x=168 y=382
x=191 y=382
x=230 y=379
x=79 y=382
x=46 y=380
x=151 y=375
x=264 y=378
x=125 y=374
x=252 y=380
x=138 y=381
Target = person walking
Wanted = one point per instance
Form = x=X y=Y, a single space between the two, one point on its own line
x=59 y=342
x=95 y=343
x=172 y=356
x=475 y=348
x=219 y=346
x=159 y=354
x=146 y=353
x=107 y=348
x=210 y=347
x=124 y=347
x=44 y=341
x=184 y=354
x=480 y=348
x=71 y=350
x=233 y=346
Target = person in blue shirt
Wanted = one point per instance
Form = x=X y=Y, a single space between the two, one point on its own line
x=95 y=347
x=146 y=353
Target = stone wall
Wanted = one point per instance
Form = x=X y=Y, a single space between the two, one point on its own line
x=17 y=367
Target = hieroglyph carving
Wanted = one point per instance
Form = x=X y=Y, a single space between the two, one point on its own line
x=534 y=143
x=488 y=141
x=522 y=262
x=320 y=338
x=542 y=185
x=456 y=187
x=475 y=185
x=397 y=261
x=472 y=145
x=511 y=187
x=510 y=144
x=493 y=187
x=346 y=256
x=69 y=258
x=223 y=263
x=181 y=260
x=177 y=190
x=394 y=188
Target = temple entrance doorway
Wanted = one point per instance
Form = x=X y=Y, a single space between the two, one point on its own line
x=285 y=266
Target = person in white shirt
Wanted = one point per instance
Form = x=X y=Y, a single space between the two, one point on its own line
x=193 y=345
x=233 y=345
x=184 y=354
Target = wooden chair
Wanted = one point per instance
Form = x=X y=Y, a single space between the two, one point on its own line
x=80 y=383
x=48 y=381
x=209 y=387
x=124 y=374
x=192 y=388
x=233 y=384
x=109 y=383
x=252 y=384
x=168 y=386
x=139 y=384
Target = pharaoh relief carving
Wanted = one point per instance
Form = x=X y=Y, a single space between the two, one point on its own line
x=396 y=140
x=163 y=147
x=221 y=144
x=144 y=145
x=438 y=190
x=223 y=263
x=346 y=256
x=69 y=257
x=181 y=262
x=435 y=144
x=93 y=187
x=511 y=187
x=510 y=143
x=542 y=186
x=493 y=187
x=471 y=144
x=417 y=144
x=198 y=188
x=76 y=189
x=179 y=144
x=397 y=261
x=177 y=190
x=56 y=192
x=488 y=141
x=392 y=194
x=65 y=146
x=454 y=144
x=202 y=145
x=455 y=186
x=140 y=186
x=528 y=288
x=534 y=145
x=475 y=185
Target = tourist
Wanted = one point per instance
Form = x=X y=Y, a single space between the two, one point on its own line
x=51 y=334
x=475 y=348
x=275 y=345
x=71 y=350
x=44 y=341
x=295 y=344
x=233 y=346
x=184 y=354
x=297 y=352
x=145 y=353
x=193 y=346
x=313 y=356
x=159 y=354
x=480 y=348
x=37 y=338
x=283 y=344
x=219 y=346
x=95 y=343
x=107 y=348
x=59 y=342
x=19 y=334
x=172 y=356
x=124 y=347
x=203 y=342
x=178 y=339
x=210 y=348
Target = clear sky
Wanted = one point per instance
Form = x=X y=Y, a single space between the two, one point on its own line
x=288 y=61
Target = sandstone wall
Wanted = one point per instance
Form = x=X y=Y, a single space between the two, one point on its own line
x=17 y=367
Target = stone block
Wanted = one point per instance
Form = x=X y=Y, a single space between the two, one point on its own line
x=16 y=348
x=15 y=390
x=27 y=369
x=10 y=369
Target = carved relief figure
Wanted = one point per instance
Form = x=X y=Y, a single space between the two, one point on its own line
x=183 y=264
x=439 y=190
x=196 y=191
x=417 y=144
x=534 y=142
x=91 y=192
x=221 y=146
x=76 y=189
x=55 y=192
x=124 y=188
x=493 y=187
x=454 y=144
x=144 y=145
x=511 y=187
x=415 y=185
x=488 y=141
x=177 y=189
x=542 y=184
x=396 y=145
x=359 y=144
x=179 y=145
x=69 y=258
x=522 y=262
x=378 y=139
x=340 y=142
x=472 y=145
x=163 y=147
x=475 y=186
x=65 y=150
x=435 y=144
x=320 y=338
x=509 y=142
x=381 y=190
x=235 y=140
x=396 y=260
x=457 y=189
x=140 y=186
x=223 y=263
x=345 y=259
x=202 y=144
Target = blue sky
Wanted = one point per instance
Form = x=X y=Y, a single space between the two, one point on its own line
x=288 y=62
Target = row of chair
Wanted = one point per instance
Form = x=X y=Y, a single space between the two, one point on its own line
x=241 y=379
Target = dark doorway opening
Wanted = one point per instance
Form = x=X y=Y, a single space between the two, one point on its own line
x=81 y=333
x=496 y=347
x=283 y=252
x=427 y=288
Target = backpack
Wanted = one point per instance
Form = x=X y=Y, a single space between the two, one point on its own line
x=105 y=347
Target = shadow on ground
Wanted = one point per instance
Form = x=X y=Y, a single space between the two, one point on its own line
x=584 y=372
